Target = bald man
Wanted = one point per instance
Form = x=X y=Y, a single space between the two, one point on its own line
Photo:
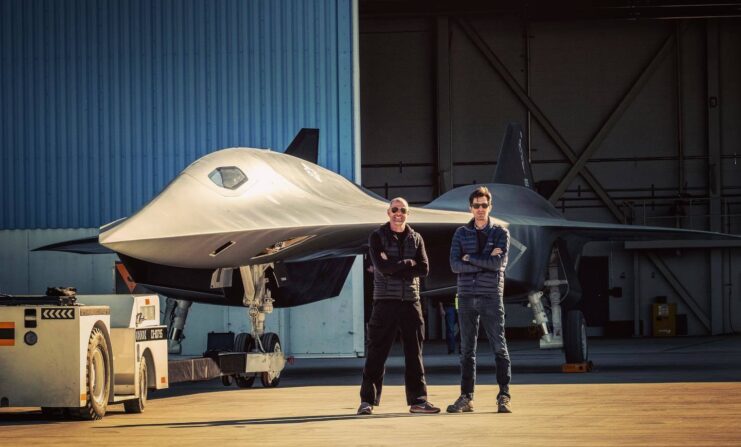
x=399 y=260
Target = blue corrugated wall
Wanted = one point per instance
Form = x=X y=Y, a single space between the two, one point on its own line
x=104 y=102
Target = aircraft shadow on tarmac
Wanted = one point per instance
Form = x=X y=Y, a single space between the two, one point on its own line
x=280 y=420
x=36 y=418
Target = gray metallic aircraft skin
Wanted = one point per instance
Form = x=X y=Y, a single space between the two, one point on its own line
x=536 y=226
x=283 y=198
x=310 y=220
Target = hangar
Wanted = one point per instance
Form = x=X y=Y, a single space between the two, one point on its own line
x=623 y=109
x=629 y=110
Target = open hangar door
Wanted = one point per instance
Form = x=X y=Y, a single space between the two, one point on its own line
x=629 y=121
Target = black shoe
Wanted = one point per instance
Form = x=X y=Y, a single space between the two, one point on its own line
x=424 y=408
x=365 y=409
x=503 y=404
x=461 y=405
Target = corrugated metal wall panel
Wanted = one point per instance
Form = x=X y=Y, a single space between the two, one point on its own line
x=103 y=103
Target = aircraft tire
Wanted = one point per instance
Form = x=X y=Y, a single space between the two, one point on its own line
x=271 y=343
x=575 y=337
x=243 y=343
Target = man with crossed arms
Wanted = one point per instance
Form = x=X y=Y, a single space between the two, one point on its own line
x=478 y=255
x=399 y=260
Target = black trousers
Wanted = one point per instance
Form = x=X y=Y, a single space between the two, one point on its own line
x=387 y=319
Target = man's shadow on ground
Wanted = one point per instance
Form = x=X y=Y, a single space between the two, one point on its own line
x=285 y=420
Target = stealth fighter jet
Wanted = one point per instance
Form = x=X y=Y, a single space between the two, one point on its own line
x=260 y=228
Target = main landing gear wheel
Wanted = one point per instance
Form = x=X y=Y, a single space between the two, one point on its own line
x=98 y=378
x=243 y=343
x=575 y=337
x=271 y=343
x=137 y=405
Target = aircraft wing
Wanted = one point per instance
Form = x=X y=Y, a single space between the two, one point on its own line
x=594 y=231
x=84 y=246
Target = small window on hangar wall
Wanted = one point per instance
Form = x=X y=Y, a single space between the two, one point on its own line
x=229 y=177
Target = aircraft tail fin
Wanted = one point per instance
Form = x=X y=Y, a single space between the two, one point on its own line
x=305 y=145
x=513 y=166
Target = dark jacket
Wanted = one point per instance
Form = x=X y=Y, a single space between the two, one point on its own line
x=483 y=274
x=395 y=278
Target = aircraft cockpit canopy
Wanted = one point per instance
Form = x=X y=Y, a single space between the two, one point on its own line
x=229 y=177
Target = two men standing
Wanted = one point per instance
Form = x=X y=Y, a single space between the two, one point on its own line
x=478 y=255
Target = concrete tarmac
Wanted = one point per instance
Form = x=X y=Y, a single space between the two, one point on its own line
x=672 y=391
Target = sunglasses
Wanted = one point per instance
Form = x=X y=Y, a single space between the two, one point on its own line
x=479 y=205
x=396 y=209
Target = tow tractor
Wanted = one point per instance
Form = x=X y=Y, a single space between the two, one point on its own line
x=75 y=355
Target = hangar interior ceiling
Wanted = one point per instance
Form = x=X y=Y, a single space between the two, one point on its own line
x=631 y=114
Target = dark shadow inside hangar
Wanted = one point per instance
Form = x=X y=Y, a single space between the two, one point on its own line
x=629 y=109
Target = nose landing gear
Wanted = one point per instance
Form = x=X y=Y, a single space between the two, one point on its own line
x=572 y=336
x=262 y=350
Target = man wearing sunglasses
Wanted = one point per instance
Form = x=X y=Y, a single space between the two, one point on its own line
x=478 y=255
x=399 y=260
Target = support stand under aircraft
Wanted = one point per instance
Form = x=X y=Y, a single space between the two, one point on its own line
x=262 y=350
